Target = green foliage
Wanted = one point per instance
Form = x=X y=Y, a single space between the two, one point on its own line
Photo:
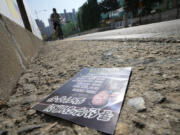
x=54 y=36
x=109 y=5
x=44 y=37
x=133 y=6
x=69 y=28
x=148 y=6
x=89 y=15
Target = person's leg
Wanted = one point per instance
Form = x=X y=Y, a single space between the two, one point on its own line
x=55 y=26
x=62 y=36
x=60 y=33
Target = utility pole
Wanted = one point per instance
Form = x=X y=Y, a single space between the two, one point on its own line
x=24 y=15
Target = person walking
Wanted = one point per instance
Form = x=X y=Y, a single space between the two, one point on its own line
x=56 y=21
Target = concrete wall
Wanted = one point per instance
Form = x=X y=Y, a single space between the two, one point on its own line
x=17 y=48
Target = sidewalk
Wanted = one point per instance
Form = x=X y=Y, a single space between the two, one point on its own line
x=155 y=78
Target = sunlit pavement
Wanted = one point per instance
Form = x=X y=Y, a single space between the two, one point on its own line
x=155 y=30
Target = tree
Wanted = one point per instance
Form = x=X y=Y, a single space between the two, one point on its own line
x=177 y=6
x=109 y=5
x=148 y=6
x=89 y=15
x=69 y=28
x=131 y=6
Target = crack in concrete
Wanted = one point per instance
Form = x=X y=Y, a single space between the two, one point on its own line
x=18 y=51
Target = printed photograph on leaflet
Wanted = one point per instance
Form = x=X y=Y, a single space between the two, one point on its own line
x=92 y=98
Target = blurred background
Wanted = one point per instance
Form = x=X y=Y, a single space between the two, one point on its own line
x=87 y=16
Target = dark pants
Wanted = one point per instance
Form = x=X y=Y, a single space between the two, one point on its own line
x=57 y=28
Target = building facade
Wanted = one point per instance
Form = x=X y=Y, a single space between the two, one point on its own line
x=69 y=16
x=46 y=31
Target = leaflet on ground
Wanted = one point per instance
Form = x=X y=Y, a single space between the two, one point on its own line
x=92 y=98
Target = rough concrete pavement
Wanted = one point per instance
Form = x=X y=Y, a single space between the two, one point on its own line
x=155 y=80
